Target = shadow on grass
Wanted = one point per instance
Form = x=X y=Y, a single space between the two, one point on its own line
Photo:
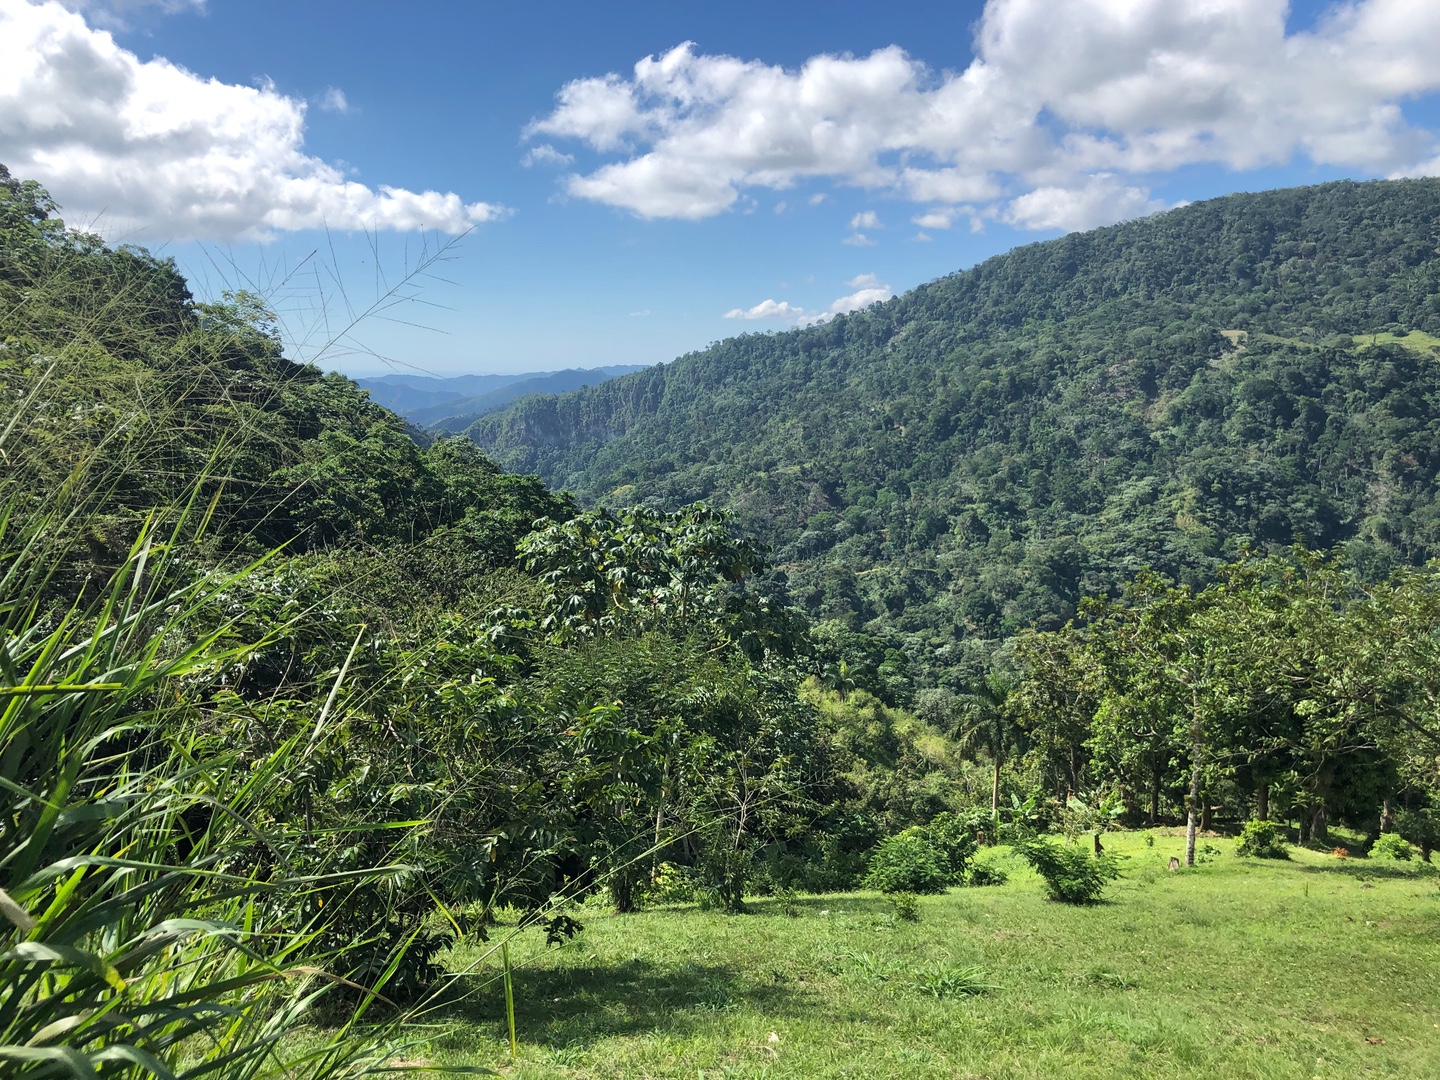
x=1366 y=868
x=811 y=906
x=575 y=1006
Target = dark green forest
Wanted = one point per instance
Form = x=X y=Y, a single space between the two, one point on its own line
x=977 y=455
x=296 y=700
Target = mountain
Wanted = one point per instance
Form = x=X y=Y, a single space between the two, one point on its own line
x=455 y=417
x=976 y=455
x=425 y=399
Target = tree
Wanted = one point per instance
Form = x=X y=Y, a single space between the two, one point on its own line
x=986 y=721
x=1169 y=652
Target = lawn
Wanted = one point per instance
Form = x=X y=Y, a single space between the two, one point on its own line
x=1320 y=967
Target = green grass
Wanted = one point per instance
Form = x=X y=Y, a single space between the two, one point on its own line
x=1237 y=968
x=1416 y=340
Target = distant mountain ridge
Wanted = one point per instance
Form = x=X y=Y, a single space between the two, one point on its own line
x=428 y=399
x=978 y=454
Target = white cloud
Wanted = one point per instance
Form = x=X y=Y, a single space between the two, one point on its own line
x=112 y=13
x=767 y=309
x=818 y=198
x=1100 y=200
x=858 y=240
x=941 y=217
x=781 y=206
x=120 y=7
x=866 y=219
x=545 y=154
x=151 y=145
x=1064 y=115
x=333 y=100
x=922 y=236
x=869 y=289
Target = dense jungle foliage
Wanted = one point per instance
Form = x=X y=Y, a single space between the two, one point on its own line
x=293 y=704
x=976 y=456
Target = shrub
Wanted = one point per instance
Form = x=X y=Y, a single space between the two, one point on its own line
x=1421 y=828
x=981 y=874
x=908 y=862
x=672 y=884
x=1071 y=874
x=1391 y=846
x=1262 y=840
x=907 y=906
x=954 y=838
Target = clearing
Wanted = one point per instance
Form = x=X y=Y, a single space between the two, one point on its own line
x=1319 y=967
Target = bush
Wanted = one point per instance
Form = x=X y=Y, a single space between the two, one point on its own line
x=672 y=884
x=907 y=906
x=954 y=838
x=1262 y=840
x=1391 y=846
x=1071 y=874
x=982 y=874
x=908 y=862
x=1421 y=828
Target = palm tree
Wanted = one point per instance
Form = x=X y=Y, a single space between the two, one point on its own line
x=839 y=678
x=986 y=724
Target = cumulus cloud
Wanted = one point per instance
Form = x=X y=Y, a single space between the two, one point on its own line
x=150 y=145
x=866 y=219
x=940 y=218
x=1068 y=109
x=767 y=309
x=545 y=154
x=869 y=289
x=858 y=240
x=1100 y=200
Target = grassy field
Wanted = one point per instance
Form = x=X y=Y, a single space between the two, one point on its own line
x=1320 y=967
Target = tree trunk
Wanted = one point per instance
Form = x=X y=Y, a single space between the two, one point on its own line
x=1387 y=817
x=1192 y=811
x=995 y=791
x=1320 y=824
x=1155 y=796
x=1262 y=802
x=1192 y=799
x=1304 y=827
x=622 y=891
x=1207 y=813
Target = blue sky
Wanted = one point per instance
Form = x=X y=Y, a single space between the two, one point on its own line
x=794 y=161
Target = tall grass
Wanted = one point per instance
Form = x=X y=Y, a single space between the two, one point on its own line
x=155 y=920
x=146 y=901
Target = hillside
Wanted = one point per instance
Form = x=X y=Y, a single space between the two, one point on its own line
x=974 y=456
x=117 y=382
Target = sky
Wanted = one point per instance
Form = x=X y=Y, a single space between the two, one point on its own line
x=451 y=188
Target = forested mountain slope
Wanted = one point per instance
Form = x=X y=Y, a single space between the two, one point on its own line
x=974 y=456
x=115 y=372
